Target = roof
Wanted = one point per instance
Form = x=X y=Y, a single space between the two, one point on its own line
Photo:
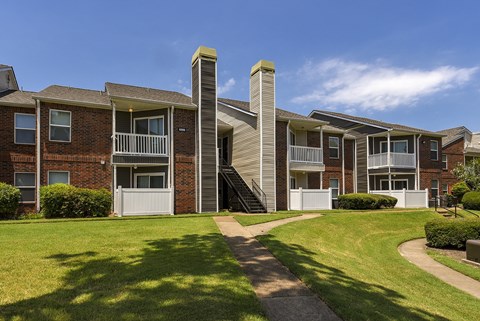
x=453 y=134
x=16 y=98
x=83 y=97
x=377 y=123
x=5 y=66
x=150 y=95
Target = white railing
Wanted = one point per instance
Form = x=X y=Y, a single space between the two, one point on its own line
x=137 y=144
x=305 y=154
x=407 y=198
x=310 y=199
x=143 y=201
x=396 y=160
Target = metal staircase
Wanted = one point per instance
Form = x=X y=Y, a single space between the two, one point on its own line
x=252 y=201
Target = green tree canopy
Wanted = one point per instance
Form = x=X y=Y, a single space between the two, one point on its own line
x=469 y=173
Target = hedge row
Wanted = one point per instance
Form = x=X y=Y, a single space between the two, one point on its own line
x=9 y=200
x=364 y=201
x=471 y=200
x=62 y=200
x=442 y=233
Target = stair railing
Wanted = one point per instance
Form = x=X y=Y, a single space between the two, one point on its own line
x=241 y=190
x=259 y=193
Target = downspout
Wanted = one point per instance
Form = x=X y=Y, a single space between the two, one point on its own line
x=38 y=156
x=321 y=146
x=170 y=158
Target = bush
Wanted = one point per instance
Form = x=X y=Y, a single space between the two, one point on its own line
x=471 y=201
x=363 y=201
x=62 y=200
x=443 y=233
x=9 y=200
x=459 y=189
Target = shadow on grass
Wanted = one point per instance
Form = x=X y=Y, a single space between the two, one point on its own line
x=188 y=278
x=350 y=298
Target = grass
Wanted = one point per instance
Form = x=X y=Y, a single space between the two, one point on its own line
x=351 y=261
x=118 y=269
x=253 y=219
x=464 y=268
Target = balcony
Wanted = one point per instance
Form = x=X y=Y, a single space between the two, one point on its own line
x=309 y=155
x=141 y=145
x=400 y=160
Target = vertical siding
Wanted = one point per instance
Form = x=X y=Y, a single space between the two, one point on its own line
x=268 y=137
x=362 y=172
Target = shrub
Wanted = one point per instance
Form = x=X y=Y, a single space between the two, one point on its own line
x=62 y=200
x=443 y=233
x=363 y=201
x=471 y=201
x=9 y=200
x=459 y=189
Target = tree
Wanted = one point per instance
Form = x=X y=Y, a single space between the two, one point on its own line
x=469 y=173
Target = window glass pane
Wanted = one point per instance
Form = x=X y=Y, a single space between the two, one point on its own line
x=434 y=183
x=384 y=185
x=398 y=185
x=292 y=138
x=156 y=126
x=27 y=194
x=293 y=183
x=334 y=183
x=24 y=179
x=445 y=188
x=143 y=182
x=60 y=118
x=25 y=136
x=399 y=147
x=333 y=142
x=60 y=133
x=141 y=126
x=57 y=177
x=434 y=145
x=156 y=182
x=25 y=121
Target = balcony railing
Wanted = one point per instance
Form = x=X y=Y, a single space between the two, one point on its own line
x=403 y=160
x=136 y=144
x=303 y=154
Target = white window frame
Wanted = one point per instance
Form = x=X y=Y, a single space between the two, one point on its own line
x=29 y=187
x=15 y=128
x=393 y=142
x=68 y=175
x=334 y=188
x=444 y=191
x=65 y=126
x=435 y=188
x=445 y=162
x=392 y=186
x=337 y=148
x=148 y=174
x=149 y=117
x=433 y=150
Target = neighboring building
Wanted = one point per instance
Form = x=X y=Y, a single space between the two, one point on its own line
x=391 y=156
x=459 y=146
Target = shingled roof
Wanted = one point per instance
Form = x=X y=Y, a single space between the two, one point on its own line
x=78 y=96
x=452 y=134
x=377 y=123
x=17 y=98
x=150 y=95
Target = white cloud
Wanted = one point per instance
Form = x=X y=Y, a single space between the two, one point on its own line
x=375 y=86
x=226 y=87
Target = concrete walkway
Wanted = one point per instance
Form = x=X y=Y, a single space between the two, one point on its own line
x=283 y=296
x=415 y=252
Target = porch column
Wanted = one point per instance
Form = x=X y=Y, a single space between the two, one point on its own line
x=288 y=166
x=368 y=165
x=389 y=163
x=415 y=157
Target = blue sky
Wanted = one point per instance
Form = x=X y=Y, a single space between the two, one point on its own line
x=410 y=62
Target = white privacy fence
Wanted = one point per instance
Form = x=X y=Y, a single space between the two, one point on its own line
x=311 y=199
x=407 y=198
x=143 y=201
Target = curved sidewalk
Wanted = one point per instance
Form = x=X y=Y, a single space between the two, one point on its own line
x=414 y=251
x=283 y=296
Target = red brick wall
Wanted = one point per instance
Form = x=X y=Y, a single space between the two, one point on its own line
x=91 y=131
x=454 y=152
x=281 y=165
x=430 y=169
x=333 y=166
x=184 y=165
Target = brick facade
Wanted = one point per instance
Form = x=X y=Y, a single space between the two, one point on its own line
x=455 y=156
x=184 y=164
x=333 y=166
x=281 y=165
x=430 y=169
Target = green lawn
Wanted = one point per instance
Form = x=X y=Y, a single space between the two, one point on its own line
x=253 y=219
x=352 y=262
x=464 y=268
x=151 y=269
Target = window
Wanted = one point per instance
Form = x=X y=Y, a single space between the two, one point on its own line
x=292 y=139
x=433 y=150
x=434 y=188
x=293 y=182
x=60 y=125
x=156 y=180
x=26 y=183
x=398 y=146
x=444 y=162
x=55 y=177
x=334 y=185
x=333 y=146
x=24 y=129
x=149 y=126
x=444 y=189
